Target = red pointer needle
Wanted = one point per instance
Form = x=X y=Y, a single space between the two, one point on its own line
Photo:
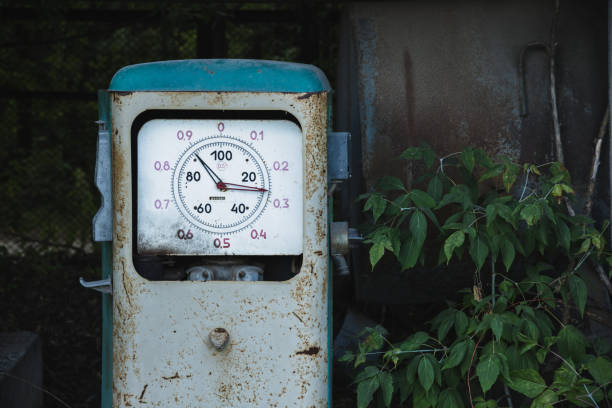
x=238 y=187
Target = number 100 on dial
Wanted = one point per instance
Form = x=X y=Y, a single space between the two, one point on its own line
x=219 y=187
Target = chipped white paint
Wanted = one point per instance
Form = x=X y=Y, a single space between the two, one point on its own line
x=277 y=350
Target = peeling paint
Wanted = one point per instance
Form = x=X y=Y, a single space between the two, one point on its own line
x=161 y=328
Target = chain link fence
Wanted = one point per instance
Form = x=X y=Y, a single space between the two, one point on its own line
x=52 y=61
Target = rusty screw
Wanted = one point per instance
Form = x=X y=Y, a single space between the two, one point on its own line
x=219 y=338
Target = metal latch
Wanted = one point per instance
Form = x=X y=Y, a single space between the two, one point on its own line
x=338 y=168
x=103 y=220
x=104 y=285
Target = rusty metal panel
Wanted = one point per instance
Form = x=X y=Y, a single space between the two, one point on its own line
x=277 y=351
x=446 y=73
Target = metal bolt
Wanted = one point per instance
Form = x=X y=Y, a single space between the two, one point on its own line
x=219 y=338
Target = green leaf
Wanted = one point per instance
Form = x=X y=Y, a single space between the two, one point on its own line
x=415 y=341
x=563 y=235
x=467 y=157
x=456 y=355
x=527 y=382
x=545 y=400
x=386 y=385
x=493 y=172
x=411 y=249
x=486 y=404
x=497 y=326
x=455 y=240
x=366 y=389
x=487 y=372
x=450 y=398
x=426 y=373
x=435 y=188
x=377 y=203
x=491 y=211
x=376 y=252
x=601 y=370
x=347 y=357
x=531 y=213
x=412 y=153
x=445 y=326
x=422 y=199
x=479 y=251
x=572 y=343
x=507 y=250
x=389 y=183
x=428 y=155
x=578 y=291
x=461 y=323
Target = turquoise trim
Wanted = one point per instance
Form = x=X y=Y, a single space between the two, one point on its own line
x=104 y=113
x=228 y=75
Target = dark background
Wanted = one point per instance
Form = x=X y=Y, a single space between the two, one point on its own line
x=54 y=56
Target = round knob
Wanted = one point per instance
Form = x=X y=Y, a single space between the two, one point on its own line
x=219 y=338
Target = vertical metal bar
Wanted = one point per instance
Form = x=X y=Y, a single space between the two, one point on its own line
x=610 y=99
x=107 y=268
x=330 y=309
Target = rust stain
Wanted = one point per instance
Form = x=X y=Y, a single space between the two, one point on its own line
x=306 y=95
x=311 y=351
x=144 y=389
x=174 y=377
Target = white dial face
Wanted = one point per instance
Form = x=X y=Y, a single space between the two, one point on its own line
x=212 y=187
x=221 y=204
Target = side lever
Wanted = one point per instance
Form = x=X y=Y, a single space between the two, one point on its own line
x=104 y=285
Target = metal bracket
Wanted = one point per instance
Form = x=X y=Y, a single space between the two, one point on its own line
x=103 y=220
x=338 y=168
x=104 y=285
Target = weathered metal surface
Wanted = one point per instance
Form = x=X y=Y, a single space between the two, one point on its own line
x=107 y=272
x=338 y=156
x=339 y=238
x=103 y=285
x=277 y=352
x=103 y=220
x=230 y=75
x=446 y=73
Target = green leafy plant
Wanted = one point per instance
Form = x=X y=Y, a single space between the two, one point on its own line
x=514 y=346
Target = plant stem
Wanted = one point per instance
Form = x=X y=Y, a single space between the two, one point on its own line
x=595 y=164
x=492 y=282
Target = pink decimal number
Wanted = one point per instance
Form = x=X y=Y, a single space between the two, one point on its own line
x=256 y=136
x=220 y=126
x=186 y=135
x=219 y=243
x=159 y=166
x=162 y=204
x=181 y=234
x=281 y=203
x=280 y=166
x=258 y=235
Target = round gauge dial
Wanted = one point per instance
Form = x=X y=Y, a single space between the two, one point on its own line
x=219 y=187
x=221 y=184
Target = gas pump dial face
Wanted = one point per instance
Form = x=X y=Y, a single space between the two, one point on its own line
x=208 y=187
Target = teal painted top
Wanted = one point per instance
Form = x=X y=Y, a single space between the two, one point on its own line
x=228 y=75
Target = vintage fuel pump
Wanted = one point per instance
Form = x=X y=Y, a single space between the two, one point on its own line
x=218 y=216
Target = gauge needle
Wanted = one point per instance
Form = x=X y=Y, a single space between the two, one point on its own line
x=216 y=179
x=240 y=187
